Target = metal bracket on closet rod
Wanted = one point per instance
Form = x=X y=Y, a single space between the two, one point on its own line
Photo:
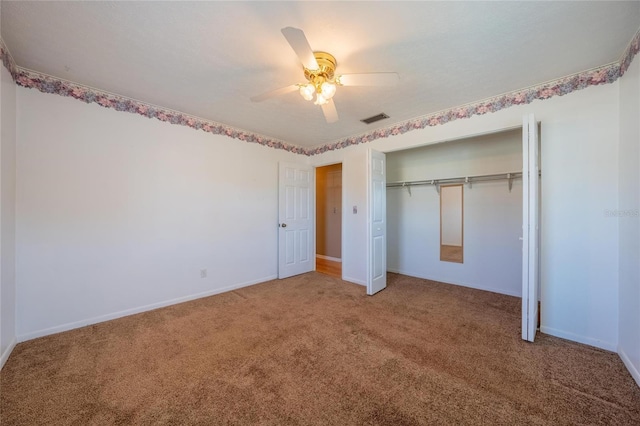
x=408 y=186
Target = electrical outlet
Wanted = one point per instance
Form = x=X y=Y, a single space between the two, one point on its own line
x=203 y=273
x=355 y=209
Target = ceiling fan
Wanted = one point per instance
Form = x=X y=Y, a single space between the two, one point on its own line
x=319 y=71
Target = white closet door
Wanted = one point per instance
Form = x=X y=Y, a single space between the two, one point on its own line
x=530 y=226
x=376 y=223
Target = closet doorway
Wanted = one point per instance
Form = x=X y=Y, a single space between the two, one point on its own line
x=329 y=220
x=486 y=170
x=500 y=178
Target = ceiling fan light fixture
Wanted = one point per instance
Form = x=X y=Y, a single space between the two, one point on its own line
x=319 y=70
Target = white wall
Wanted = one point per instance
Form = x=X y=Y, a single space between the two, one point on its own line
x=117 y=213
x=628 y=219
x=7 y=214
x=579 y=245
x=492 y=214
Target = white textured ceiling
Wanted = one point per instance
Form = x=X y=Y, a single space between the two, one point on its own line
x=208 y=58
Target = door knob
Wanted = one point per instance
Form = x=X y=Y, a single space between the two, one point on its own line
x=284 y=225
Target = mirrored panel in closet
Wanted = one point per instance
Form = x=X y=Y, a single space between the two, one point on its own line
x=451 y=223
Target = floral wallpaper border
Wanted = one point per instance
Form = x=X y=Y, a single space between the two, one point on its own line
x=7 y=59
x=603 y=75
x=630 y=52
x=48 y=84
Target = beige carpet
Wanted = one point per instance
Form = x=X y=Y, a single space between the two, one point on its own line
x=313 y=350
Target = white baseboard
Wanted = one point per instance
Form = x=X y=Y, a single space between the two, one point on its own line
x=632 y=368
x=578 y=338
x=354 y=280
x=7 y=352
x=492 y=290
x=133 y=311
x=333 y=259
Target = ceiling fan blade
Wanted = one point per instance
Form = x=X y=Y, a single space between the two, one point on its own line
x=330 y=112
x=274 y=93
x=300 y=45
x=370 y=79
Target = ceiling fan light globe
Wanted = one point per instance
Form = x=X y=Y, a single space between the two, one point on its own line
x=328 y=90
x=320 y=100
x=307 y=91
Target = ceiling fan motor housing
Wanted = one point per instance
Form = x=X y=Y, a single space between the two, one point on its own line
x=326 y=68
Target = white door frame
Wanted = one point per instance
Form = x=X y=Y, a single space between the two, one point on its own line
x=342 y=213
x=530 y=228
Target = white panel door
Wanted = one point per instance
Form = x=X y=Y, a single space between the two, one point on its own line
x=530 y=228
x=295 y=216
x=376 y=223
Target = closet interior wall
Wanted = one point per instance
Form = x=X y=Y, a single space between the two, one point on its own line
x=492 y=213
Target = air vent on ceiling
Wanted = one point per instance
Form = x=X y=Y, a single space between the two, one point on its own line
x=375 y=118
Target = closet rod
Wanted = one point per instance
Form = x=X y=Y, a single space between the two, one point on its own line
x=463 y=179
